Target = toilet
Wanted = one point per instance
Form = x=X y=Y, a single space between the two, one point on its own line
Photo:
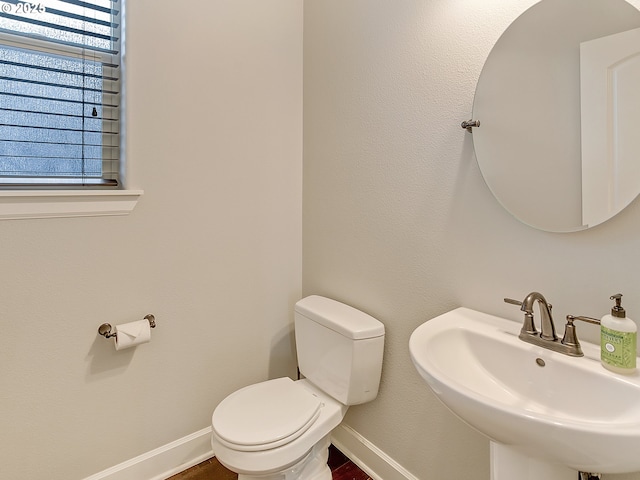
x=280 y=429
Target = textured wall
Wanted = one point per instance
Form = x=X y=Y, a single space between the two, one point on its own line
x=213 y=249
x=397 y=218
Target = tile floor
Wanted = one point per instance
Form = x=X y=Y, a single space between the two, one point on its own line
x=341 y=468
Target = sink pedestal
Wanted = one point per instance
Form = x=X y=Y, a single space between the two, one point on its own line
x=508 y=464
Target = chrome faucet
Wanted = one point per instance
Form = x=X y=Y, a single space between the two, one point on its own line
x=547 y=338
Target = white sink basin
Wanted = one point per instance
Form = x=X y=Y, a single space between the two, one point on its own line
x=570 y=412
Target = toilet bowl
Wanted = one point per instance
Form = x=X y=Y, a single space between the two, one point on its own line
x=282 y=440
x=280 y=429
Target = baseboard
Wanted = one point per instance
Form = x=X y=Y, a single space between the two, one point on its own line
x=181 y=454
x=164 y=461
x=367 y=456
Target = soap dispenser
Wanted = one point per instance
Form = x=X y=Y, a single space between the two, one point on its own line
x=618 y=337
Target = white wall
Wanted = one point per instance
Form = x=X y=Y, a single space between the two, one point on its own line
x=398 y=221
x=213 y=249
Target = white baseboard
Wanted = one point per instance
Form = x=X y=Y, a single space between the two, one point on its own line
x=367 y=456
x=179 y=455
x=164 y=461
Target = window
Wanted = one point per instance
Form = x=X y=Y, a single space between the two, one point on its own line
x=60 y=93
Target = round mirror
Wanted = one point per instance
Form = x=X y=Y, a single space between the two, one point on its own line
x=556 y=101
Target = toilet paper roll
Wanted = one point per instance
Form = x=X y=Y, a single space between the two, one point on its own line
x=132 y=334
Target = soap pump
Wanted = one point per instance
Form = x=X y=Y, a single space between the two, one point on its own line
x=618 y=339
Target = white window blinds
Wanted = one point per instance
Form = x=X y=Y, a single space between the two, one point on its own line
x=60 y=92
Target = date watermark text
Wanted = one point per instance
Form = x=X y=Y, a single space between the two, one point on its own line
x=22 y=8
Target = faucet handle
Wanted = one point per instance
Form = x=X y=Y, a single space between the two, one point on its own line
x=595 y=321
x=570 y=338
x=519 y=303
x=528 y=328
x=513 y=302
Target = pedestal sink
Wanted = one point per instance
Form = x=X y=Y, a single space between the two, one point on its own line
x=547 y=415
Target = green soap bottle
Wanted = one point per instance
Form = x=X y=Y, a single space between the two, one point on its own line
x=618 y=340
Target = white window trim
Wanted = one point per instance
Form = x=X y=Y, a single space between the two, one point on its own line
x=25 y=204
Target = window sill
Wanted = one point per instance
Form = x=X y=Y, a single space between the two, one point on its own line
x=23 y=204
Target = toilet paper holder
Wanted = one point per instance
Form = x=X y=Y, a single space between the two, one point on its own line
x=105 y=328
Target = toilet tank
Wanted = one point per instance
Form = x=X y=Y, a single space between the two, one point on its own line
x=339 y=349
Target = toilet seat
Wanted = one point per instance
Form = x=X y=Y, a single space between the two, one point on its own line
x=265 y=415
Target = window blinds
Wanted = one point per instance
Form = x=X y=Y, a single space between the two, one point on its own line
x=60 y=92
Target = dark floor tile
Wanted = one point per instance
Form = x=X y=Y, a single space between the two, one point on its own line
x=341 y=468
x=207 y=470
x=336 y=458
x=349 y=471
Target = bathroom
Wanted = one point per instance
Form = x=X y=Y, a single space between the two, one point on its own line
x=285 y=148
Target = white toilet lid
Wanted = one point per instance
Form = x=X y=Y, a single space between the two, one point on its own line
x=265 y=415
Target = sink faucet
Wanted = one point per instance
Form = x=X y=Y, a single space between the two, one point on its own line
x=547 y=327
x=547 y=338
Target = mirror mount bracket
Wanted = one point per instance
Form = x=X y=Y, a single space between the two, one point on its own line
x=469 y=124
